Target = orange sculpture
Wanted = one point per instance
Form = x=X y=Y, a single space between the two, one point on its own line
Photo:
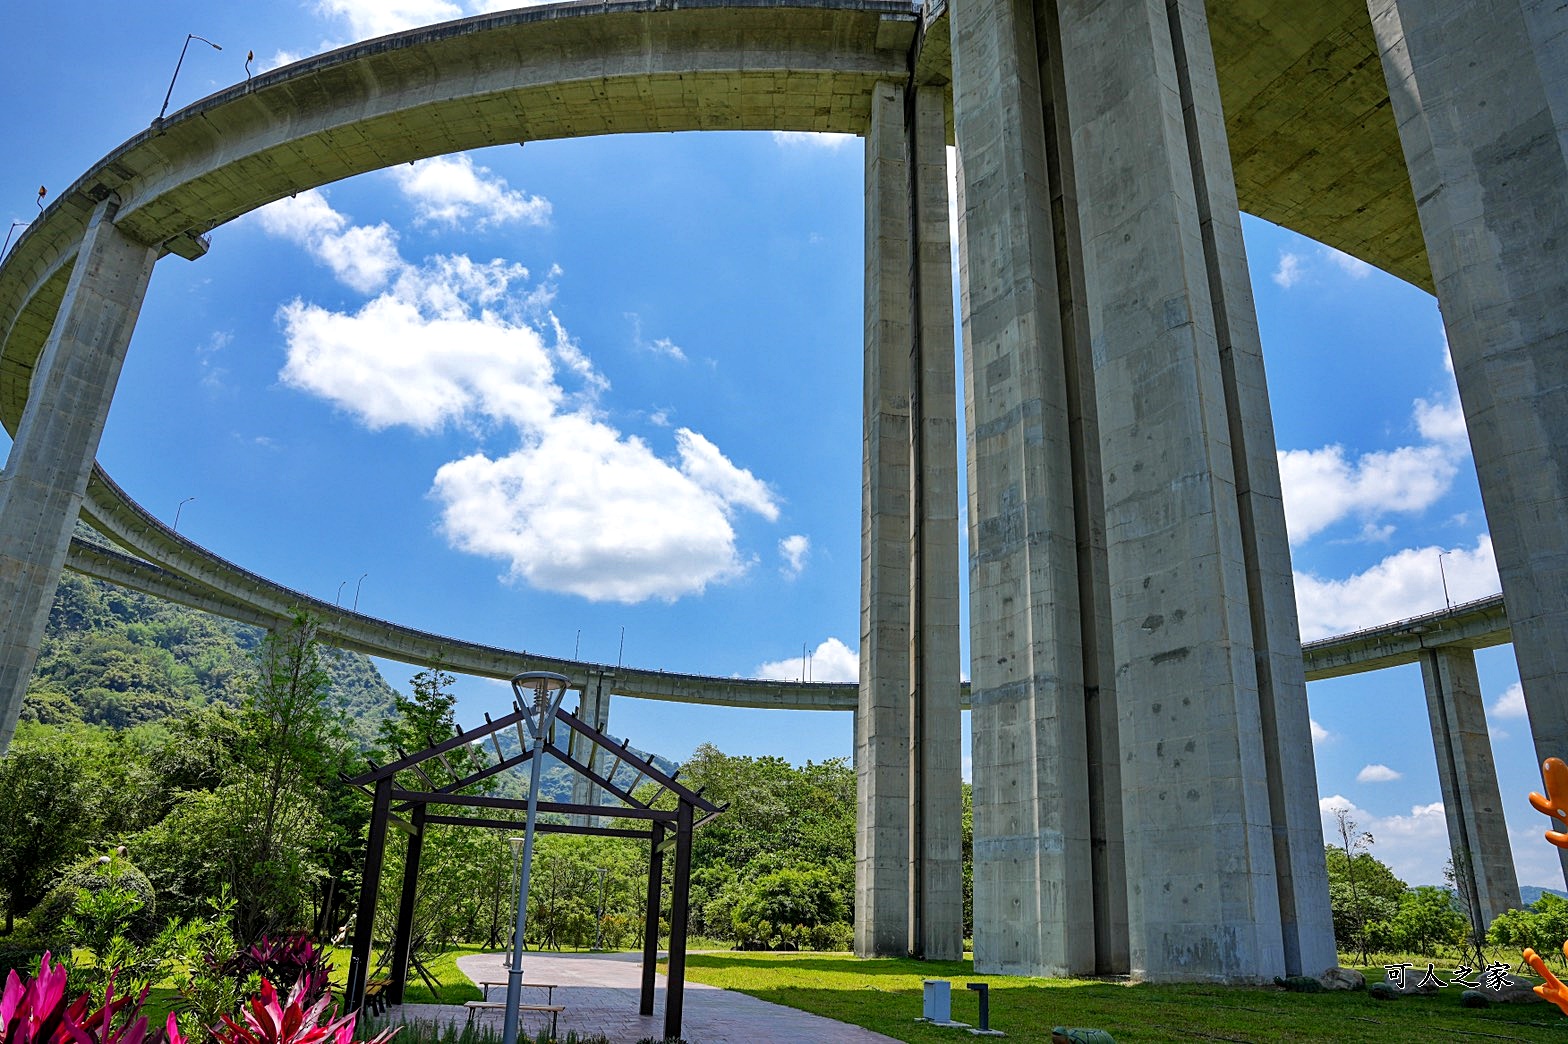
x=1555 y=803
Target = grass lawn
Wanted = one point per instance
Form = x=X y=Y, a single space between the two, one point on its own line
x=455 y=986
x=885 y=995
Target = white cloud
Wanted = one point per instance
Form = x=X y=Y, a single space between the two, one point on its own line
x=659 y=346
x=794 y=550
x=712 y=471
x=1354 y=267
x=1442 y=420
x=825 y=141
x=452 y=191
x=831 y=661
x=1378 y=774
x=577 y=507
x=362 y=256
x=369 y=18
x=1407 y=583
x=1322 y=486
x=1415 y=847
x=1289 y=272
x=1319 y=733
x=1510 y=704
x=582 y=509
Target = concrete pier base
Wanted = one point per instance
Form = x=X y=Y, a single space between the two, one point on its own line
x=1480 y=93
x=46 y=473
x=1477 y=833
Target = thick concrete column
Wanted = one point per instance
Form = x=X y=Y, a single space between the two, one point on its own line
x=1034 y=895
x=908 y=873
x=882 y=782
x=936 y=796
x=1223 y=847
x=594 y=710
x=46 y=473
x=1477 y=833
x=1480 y=93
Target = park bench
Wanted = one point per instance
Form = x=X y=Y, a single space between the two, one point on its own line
x=475 y=1007
x=375 y=999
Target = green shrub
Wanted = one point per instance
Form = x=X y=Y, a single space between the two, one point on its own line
x=96 y=875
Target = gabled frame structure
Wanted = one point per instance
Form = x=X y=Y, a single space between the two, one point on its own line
x=583 y=752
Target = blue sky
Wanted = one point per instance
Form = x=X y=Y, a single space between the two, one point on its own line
x=535 y=396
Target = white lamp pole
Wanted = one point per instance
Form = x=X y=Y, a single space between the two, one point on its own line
x=547 y=690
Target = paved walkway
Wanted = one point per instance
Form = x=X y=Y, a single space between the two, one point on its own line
x=601 y=992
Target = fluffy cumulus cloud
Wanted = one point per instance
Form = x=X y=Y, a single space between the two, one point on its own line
x=1296 y=268
x=1414 y=846
x=1378 y=774
x=582 y=509
x=577 y=507
x=1511 y=703
x=794 y=550
x=1289 y=272
x=1407 y=583
x=452 y=191
x=1325 y=486
x=1319 y=733
x=831 y=661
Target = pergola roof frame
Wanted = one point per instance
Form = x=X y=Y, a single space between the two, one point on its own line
x=666 y=829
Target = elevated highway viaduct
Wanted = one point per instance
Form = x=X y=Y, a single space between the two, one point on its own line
x=1132 y=624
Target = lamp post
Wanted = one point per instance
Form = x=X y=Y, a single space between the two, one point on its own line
x=1440 y=572
x=598 y=937
x=356 y=590
x=517 y=851
x=177 y=511
x=14 y=226
x=170 y=92
x=547 y=691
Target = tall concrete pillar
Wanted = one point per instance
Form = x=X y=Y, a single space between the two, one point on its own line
x=1125 y=515
x=908 y=867
x=594 y=710
x=1034 y=887
x=1480 y=93
x=46 y=473
x=1477 y=833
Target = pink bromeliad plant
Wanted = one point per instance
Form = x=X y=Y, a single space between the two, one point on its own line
x=270 y=1021
x=35 y=1012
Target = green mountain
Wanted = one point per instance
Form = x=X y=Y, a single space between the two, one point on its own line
x=114 y=657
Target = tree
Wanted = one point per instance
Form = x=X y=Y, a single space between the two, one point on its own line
x=290 y=747
x=1427 y=919
x=1459 y=874
x=1361 y=889
x=48 y=818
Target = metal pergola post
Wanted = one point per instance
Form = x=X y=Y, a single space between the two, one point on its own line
x=403 y=942
x=650 y=938
x=365 y=922
x=680 y=903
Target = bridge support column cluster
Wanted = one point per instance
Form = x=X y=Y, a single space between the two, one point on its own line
x=45 y=476
x=1145 y=796
x=908 y=846
x=1484 y=129
x=1477 y=832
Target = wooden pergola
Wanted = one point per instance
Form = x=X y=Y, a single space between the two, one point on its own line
x=585 y=746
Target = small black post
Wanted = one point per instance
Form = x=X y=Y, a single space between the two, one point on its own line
x=680 y=903
x=650 y=943
x=984 y=989
x=403 y=943
x=365 y=919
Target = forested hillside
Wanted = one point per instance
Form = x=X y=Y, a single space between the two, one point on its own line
x=114 y=657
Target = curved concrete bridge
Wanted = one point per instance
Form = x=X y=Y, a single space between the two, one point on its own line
x=1144 y=789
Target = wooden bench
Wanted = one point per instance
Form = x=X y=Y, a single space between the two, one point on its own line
x=475 y=1007
x=375 y=1000
x=549 y=987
